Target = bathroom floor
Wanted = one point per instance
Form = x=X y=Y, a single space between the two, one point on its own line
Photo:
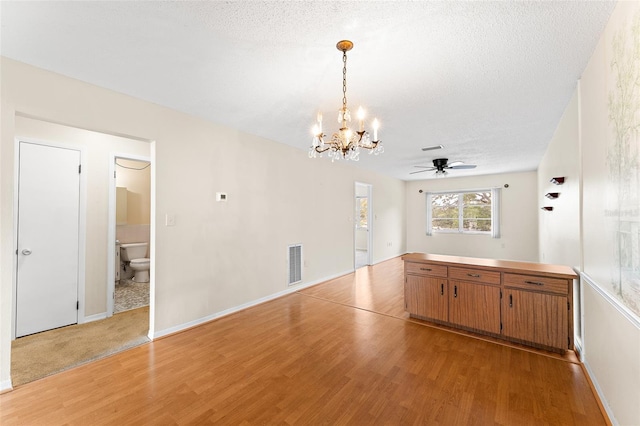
x=130 y=295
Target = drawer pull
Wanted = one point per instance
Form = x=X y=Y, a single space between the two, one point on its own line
x=534 y=282
x=425 y=269
x=474 y=275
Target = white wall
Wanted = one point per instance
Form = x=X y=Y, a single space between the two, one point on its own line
x=276 y=196
x=519 y=216
x=559 y=237
x=611 y=332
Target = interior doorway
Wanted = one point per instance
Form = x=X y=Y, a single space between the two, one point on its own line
x=363 y=225
x=132 y=179
x=96 y=250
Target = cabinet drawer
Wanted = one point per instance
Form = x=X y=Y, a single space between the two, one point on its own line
x=475 y=275
x=425 y=269
x=529 y=282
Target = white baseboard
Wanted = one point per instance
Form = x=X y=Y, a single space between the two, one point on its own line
x=600 y=393
x=96 y=317
x=238 y=308
x=5 y=386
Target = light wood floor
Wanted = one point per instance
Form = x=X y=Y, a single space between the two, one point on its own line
x=342 y=352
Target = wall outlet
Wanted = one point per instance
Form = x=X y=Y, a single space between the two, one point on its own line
x=221 y=196
x=170 y=220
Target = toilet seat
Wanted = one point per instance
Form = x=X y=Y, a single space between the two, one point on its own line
x=140 y=262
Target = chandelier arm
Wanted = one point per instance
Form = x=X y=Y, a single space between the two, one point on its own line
x=320 y=151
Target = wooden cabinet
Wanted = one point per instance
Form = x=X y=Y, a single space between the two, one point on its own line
x=528 y=303
x=475 y=306
x=538 y=314
x=427 y=297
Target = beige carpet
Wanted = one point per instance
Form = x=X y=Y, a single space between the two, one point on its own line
x=40 y=355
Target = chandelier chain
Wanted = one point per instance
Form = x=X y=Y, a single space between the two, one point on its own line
x=344 y=80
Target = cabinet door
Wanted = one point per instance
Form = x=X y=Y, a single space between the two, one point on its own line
x=536 y=317
x=551 y=315
x=517 y=314
x=427 y=297
x=474 y=306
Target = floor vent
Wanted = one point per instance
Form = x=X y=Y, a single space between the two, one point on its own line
x=295 y=264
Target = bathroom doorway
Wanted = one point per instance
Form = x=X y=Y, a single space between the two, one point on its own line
x=131 y=210
x=363 y=225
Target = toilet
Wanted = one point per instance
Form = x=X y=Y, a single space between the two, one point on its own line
x=135 y=253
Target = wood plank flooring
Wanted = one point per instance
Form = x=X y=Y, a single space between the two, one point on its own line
x=307 y=359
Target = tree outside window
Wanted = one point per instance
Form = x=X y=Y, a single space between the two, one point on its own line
x=362 y=209
x=461 y=212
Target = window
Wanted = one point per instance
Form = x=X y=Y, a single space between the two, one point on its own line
x=473 y=212
x=362 y=208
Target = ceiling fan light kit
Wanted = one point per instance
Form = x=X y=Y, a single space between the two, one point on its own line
x=345 y=143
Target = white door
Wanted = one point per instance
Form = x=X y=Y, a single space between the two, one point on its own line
x=48 y=231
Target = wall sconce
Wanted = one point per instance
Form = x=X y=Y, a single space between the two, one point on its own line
x=557 y=180
x=552 y=195
x=547 y=208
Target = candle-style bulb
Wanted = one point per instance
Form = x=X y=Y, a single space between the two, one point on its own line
x=361 y=118
x=376 y=124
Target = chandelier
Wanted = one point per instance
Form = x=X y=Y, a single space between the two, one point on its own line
x=345 y=143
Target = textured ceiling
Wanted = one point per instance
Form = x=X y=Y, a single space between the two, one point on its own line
x=488 y=80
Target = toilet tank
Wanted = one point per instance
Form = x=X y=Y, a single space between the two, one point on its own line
x=131 y=251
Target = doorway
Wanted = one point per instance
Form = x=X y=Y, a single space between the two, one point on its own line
x=48 y=233
x=132 y=207
x=363 y=225
x=95 y=258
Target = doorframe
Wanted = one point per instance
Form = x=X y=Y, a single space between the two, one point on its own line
x=82 y=225
x=111 y=231
x=369 y=188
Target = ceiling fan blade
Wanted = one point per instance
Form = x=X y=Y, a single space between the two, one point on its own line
x=455 y=163
x=419 y=171
x=426 y=167
x=462 y=166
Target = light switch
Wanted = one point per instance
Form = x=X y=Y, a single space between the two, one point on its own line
x=170 y=219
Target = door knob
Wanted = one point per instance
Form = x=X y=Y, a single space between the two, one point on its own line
x=26 y=252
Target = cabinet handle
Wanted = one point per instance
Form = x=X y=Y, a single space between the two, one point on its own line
x=455 y=291
x=534 y=282
x=511 y=301
x=441 y=289
x=474 y=275
x=425 y=269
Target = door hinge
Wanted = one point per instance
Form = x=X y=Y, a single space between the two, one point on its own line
x=78 y=305
x=79 y=168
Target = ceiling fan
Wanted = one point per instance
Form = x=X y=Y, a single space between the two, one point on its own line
x=441 y=165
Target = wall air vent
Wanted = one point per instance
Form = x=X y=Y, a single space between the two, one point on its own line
x=295 y=264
